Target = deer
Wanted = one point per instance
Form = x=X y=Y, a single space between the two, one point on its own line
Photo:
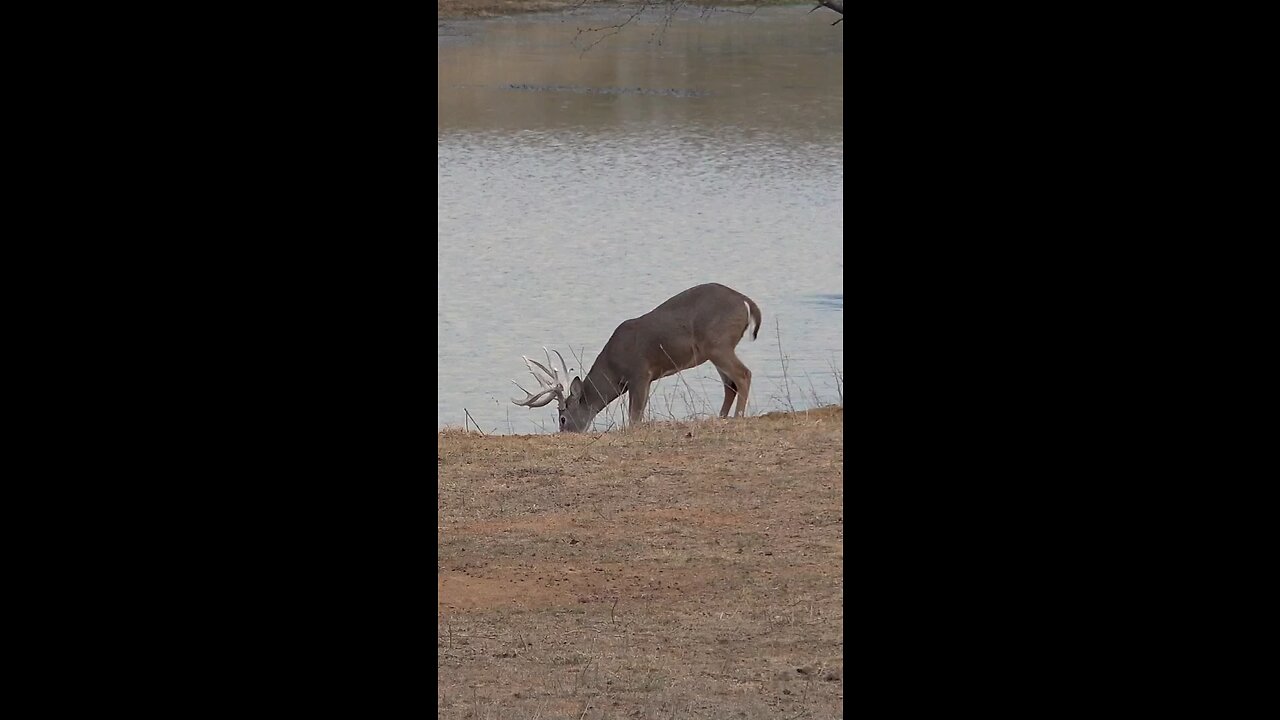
x=703 y=323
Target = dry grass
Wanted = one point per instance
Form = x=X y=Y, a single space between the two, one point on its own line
x=681 y=569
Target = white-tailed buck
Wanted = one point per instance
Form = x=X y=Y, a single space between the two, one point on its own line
x=700 y=324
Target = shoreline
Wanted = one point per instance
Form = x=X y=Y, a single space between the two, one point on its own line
x=470 y=9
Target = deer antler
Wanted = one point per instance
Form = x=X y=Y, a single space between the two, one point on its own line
x=552 y=383
x=549 y=374
x=566 y=378
x=536 y=401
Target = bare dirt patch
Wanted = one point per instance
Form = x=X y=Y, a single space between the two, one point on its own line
x=691 y=569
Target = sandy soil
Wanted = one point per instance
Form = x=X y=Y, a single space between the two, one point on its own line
x=688 y=569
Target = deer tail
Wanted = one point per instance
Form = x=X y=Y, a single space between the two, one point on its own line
x=754 y=311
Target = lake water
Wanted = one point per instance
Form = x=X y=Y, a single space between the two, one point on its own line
x=581 y=187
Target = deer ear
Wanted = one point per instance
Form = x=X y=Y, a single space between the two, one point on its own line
x=575 y=388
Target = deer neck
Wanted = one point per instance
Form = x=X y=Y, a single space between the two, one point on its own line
x=601 y=387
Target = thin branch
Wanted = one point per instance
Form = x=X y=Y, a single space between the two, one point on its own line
x=837 y=5
x=473 y=422
x=614 y=28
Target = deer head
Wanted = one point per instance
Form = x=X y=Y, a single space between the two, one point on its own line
x=576 y=415
x=552 y=385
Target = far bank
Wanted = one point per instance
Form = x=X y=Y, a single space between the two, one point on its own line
x=454 y=9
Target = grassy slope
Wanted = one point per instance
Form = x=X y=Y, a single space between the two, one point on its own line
x=689 y=568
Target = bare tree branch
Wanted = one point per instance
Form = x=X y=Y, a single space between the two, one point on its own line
x=837 y=5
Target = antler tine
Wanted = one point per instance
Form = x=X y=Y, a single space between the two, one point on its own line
x=567 y=376
x=548 y=377
x=531 y=400
x=562 y=380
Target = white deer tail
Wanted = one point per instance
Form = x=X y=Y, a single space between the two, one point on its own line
x=753 y=313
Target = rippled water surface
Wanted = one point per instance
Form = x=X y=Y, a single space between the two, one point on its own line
x=577 y=189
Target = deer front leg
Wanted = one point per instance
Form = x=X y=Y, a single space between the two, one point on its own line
x=637 y=397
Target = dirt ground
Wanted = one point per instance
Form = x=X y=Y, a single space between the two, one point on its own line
x=679 y=569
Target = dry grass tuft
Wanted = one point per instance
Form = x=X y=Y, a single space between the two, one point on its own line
x=687 y=569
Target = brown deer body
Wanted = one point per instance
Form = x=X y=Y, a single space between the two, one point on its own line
x=701 y=324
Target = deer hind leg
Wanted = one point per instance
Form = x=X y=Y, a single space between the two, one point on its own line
x=733 y=371
x=730 y=392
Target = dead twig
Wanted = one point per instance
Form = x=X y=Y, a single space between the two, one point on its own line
x=473 y=422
